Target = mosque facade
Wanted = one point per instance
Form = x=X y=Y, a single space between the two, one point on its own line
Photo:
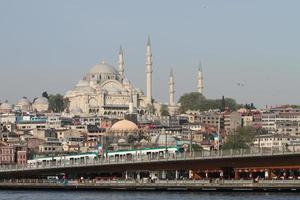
x=104 y=90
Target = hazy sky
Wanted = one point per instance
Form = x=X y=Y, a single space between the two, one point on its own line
x=49 y=45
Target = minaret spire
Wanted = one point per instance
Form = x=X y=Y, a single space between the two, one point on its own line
x=200 y=85
x=171 y=89
x=149 y=71
x=131 y=106
x=121 y=63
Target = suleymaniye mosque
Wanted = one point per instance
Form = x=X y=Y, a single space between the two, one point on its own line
x=104 y=90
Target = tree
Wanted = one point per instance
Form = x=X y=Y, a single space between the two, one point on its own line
x=45 y=94
x=190 y=101
x=249 y=106
x=241 y=139
x=196 y=101
x=164 y=110
x=57 y=103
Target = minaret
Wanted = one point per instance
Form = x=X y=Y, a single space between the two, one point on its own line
x=121 y=63
x=131 y=106
x=171 y=89
x=149 y=71
x=200 y=85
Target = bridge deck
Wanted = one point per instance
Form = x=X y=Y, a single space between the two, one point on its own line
x=195 y=156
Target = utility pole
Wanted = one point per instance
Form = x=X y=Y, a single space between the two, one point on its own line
x=191 y=139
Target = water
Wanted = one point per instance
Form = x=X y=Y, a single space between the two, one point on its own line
x=118 y=195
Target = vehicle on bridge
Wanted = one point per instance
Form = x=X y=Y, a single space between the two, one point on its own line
x=90 y=157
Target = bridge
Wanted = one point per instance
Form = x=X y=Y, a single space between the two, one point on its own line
x=174 y=185
x=230 y=163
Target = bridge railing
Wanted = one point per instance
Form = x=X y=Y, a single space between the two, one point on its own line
x=155 y=158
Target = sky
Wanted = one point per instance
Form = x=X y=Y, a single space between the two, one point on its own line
x=49 y=45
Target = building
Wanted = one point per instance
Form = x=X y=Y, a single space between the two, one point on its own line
x=288 y=128
x=276 y=141
x=232 y=121
x=12 y=154
x=104 y=90
x=210 y=118
x=24 y=105
x=41 y=104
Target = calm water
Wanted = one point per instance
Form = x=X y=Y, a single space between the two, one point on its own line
x=92 y=195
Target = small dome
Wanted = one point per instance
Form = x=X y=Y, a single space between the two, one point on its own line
x=103 y=68
x=41 y=100
x=6 y=106
x=24 y=102
x=83 y=86
x=124 y=125
x=82 y=83
x=121 y=141
x=161 y=140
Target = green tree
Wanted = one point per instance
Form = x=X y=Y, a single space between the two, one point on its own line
x=45 y=94
x=164 y=110
x=196 y=101
x=242 y=138
x=190 y=101
x=57 y=103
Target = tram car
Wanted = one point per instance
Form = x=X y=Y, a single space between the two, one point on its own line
x=147 y=153
x=63 y=160
x=82 y=158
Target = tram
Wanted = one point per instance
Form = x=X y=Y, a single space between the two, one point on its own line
x=90 y=157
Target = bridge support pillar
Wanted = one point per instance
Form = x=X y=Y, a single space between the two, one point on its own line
x=163 y=174
x=126 y=175
x=268 y=174
x=236 y=174
x=221 y=174
x=138 y=176
x=176 y=174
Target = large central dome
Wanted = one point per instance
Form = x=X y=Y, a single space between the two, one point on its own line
x=103 y=68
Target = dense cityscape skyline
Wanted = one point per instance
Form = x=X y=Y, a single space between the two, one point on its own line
x=247 y=54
